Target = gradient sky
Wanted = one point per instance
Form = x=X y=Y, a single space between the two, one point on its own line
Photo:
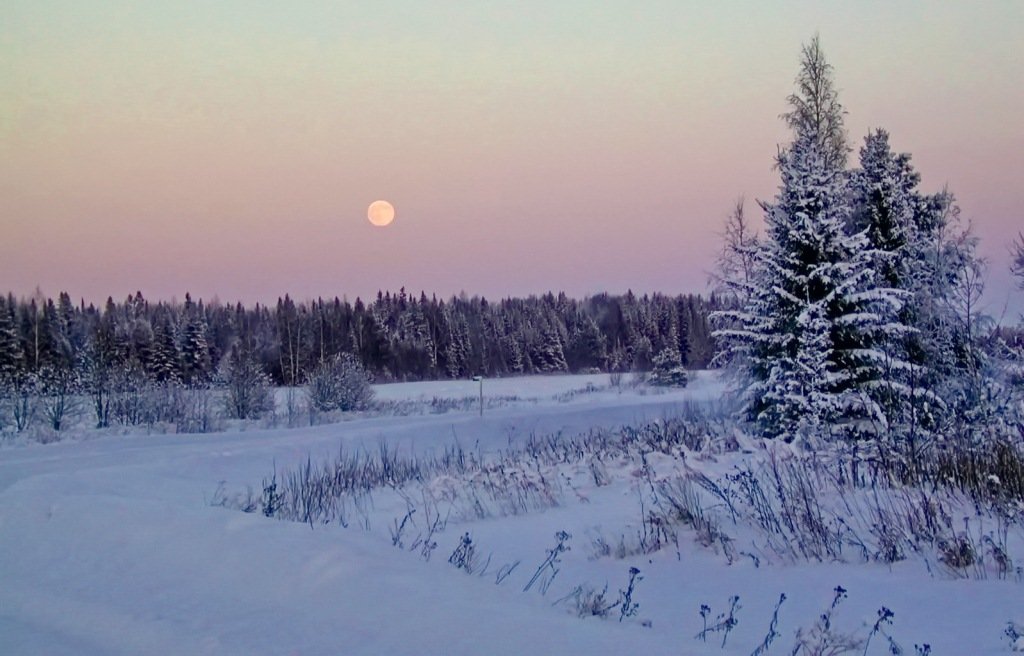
x=231 y=148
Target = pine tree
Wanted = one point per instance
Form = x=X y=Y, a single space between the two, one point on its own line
x=457 y=346
x=586 y=348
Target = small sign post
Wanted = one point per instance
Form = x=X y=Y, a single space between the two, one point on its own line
x=480 y=379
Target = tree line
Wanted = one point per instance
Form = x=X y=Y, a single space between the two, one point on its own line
x=396 y=337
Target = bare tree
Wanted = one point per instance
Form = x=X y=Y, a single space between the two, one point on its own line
x=734 y=269
x=59 y=400
x=815 y=108
x=1017 y=266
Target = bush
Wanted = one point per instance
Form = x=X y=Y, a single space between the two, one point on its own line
x=339 y=384
x=248 y=387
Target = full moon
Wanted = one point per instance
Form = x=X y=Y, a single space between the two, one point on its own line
x=381 y=213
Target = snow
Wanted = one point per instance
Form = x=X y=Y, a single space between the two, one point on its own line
x=110 y=546
x=524 y=387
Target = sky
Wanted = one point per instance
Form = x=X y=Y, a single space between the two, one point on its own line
x=231 y=148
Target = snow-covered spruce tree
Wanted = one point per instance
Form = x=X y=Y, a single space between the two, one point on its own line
x=806 y=334
x=912 y=250
x=668 y=370
x=162 y=363
x=195 y=353
x=927 y=252
x=11 y=362
x=11 y=359
x=797 y=327
x=550 y=355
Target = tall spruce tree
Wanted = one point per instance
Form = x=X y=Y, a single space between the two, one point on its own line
x=195 y=352
x=162 y=364
x=805 y=334
x=791 y=323
x=11 y=358
x=903 y=230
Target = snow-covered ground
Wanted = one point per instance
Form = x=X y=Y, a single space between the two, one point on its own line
x=114 y=546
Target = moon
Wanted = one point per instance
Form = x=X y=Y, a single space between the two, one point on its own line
x=380 y=213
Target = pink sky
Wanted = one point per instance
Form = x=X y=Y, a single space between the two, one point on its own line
x=232 y=148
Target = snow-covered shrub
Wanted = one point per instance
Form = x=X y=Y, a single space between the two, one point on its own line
x=1014 y=633
x=198 y=410
x=339 y=384
x=132 y=397
x=248 y=393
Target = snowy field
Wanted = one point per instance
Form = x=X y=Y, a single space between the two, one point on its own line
x=136 y=544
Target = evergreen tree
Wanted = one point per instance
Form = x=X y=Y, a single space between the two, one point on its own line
x=195 y=351
x=551 y=357
x=457 y=348
x=668 y=369
x=162 y=364
x=11 y=357
x=787 y=326
x=586 y=348
x=807 y=333
x=903 y=230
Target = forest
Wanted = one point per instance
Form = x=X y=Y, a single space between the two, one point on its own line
x=55 y=348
